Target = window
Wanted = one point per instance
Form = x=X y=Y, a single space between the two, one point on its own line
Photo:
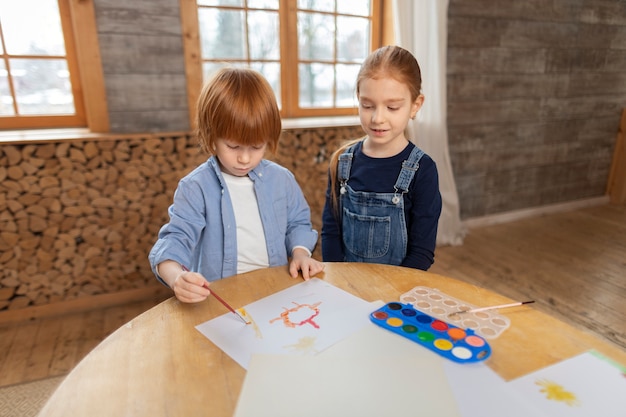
x=39 y=86
x=309 y=50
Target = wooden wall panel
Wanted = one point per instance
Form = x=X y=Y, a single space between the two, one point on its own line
x=534 y=98
x=153 y=55
x=142 y=57
x=616 y=187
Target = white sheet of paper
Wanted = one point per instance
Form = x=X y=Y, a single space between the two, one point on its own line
x=477 y=390
x=480 y=392
x=339 y=386
x=585 y=385
x=301 y=320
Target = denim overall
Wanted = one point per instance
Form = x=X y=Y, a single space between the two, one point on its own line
x=373 y=224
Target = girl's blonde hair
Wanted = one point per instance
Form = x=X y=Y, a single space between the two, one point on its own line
x=385 y=62
x=238 y=104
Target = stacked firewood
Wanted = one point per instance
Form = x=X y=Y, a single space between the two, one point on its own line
x=78 y=218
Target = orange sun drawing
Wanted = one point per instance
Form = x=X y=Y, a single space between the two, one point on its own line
x=299 y=315
x=556 y=392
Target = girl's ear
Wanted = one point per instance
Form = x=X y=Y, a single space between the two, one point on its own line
x=417 y=105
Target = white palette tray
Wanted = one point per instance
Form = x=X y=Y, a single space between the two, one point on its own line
x=431 y=301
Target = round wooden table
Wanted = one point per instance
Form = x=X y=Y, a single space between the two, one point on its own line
x=159 y=364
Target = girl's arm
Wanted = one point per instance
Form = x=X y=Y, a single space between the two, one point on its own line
x=423 y=218
x=332 y=245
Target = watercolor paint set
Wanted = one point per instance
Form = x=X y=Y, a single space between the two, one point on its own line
x=449 y=341
x=488 y=324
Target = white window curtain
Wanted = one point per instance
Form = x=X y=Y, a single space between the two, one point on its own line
x=421 y=26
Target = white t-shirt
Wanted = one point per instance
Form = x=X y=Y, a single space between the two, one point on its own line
x=251 y=247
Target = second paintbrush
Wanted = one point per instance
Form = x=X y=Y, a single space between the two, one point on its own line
x=476 y=310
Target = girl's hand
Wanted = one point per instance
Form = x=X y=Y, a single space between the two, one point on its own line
x=301 y=261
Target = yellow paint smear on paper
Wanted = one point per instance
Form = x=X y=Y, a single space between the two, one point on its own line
x=251 y=321
x=556 y=392
x=305 y=344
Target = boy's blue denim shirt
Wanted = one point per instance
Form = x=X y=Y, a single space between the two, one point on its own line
x=201 y=233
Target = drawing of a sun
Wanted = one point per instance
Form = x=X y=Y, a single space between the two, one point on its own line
x=299 y=315
x=556 y=392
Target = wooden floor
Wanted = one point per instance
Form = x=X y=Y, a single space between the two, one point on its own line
x=43 y=348
x=573 y=264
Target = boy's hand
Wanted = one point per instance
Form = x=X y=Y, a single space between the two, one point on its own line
x=190 y=287
x=301 y=261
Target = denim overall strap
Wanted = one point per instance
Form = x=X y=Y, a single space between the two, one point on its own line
x=409 y=168
x=345 y=164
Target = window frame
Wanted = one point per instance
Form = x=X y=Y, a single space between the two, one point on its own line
x=84 y=64
x=289 y=79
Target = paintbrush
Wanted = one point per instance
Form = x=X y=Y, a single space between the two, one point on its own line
x=220 y=299
x=476 y=310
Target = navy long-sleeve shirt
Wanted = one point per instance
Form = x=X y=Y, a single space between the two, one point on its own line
x=422 y=205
